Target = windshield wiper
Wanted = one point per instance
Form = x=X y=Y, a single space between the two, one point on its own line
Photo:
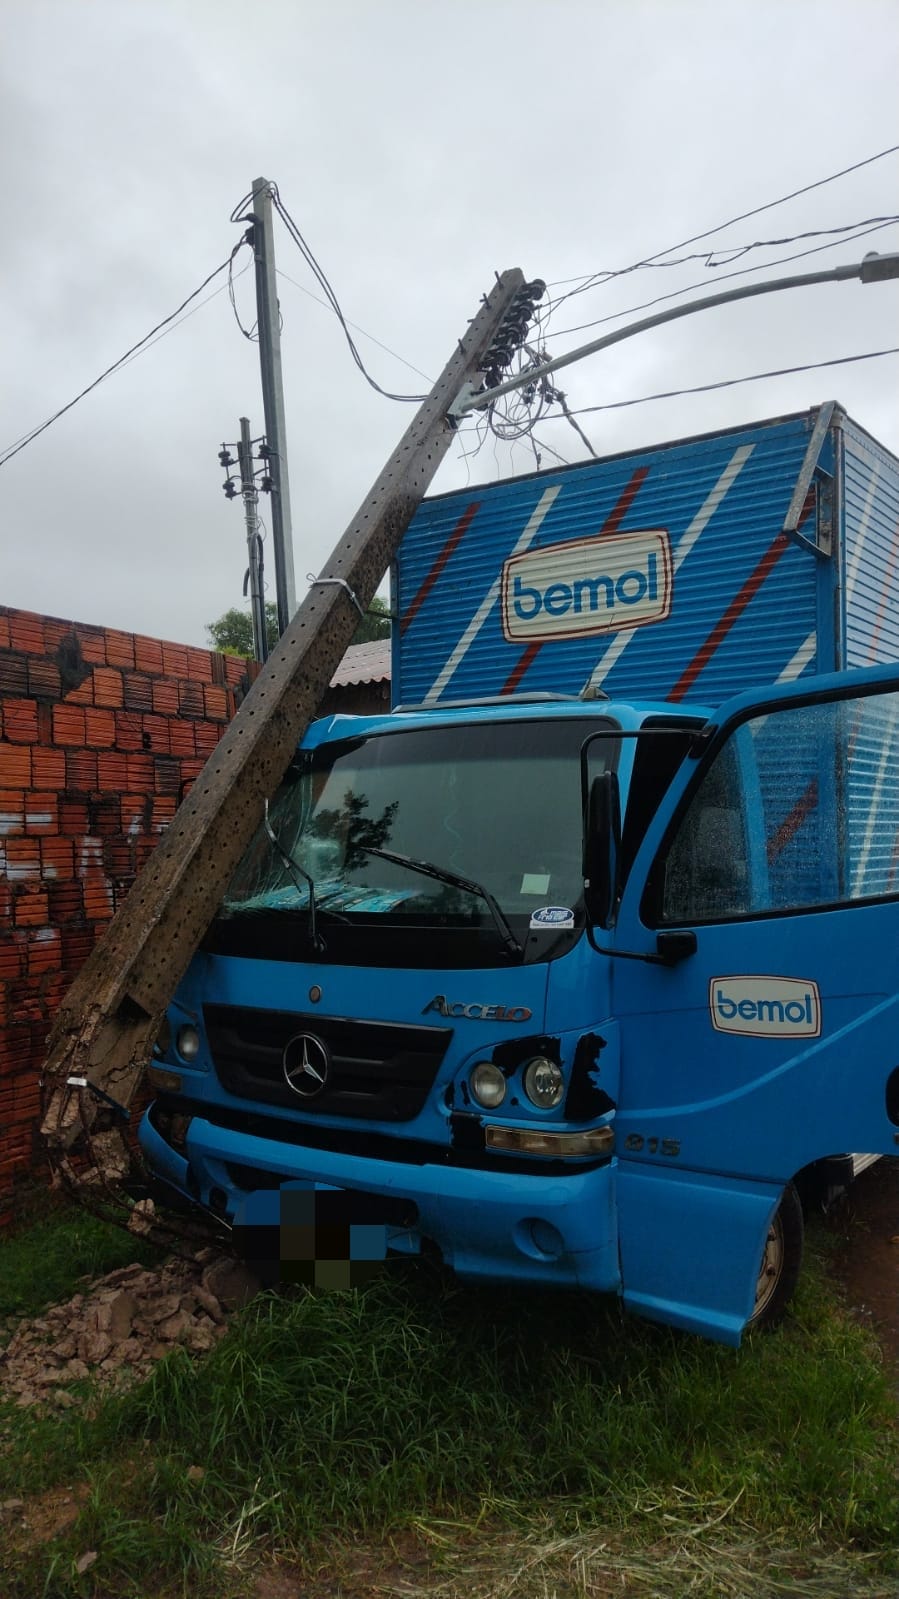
x=296 y=871
x=443 y=875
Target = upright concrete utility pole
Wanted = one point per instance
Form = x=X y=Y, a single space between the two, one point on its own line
x=254 y=543
x=269 y=325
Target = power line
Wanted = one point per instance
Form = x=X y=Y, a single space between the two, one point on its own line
x=173 y=328
x=728 y=383
x=248 y=333
x=381 y=346
x=743 y=217
x=322 y=280
x=734 y=252
x=164 y=334
x=722 y=277
x=129 y=354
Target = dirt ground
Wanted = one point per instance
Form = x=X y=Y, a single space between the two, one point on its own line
x=867 y=1262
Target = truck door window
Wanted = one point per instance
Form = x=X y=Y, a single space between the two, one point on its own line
x=800 y=808
x=706 y=874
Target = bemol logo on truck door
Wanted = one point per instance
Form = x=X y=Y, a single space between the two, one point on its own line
x=765 y=1007
x=584 y=586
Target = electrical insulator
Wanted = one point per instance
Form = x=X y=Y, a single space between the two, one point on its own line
x=225 y=456
x=265 y=483
x=230 y=490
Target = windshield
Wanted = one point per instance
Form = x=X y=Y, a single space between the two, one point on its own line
x=497 y=804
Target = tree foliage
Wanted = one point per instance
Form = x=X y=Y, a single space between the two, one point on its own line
x=375 y=624
x=232 y=632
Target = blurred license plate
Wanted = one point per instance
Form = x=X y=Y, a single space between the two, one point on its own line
x=317 y=1236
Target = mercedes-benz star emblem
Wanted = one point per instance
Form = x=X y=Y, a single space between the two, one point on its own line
x=307 y=1065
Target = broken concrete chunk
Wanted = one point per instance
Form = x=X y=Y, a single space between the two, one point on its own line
x=175 y=1326
x=113 y=1332
x=209 y=1302
x=232 y=1282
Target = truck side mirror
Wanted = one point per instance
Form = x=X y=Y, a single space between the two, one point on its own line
x=602 y=849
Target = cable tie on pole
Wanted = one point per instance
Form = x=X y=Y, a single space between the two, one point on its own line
x=98 y=1093
x=339 y=582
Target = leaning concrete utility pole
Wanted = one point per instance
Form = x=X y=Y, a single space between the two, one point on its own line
x=250 y=495
x=111 y=1016
x=268 y=320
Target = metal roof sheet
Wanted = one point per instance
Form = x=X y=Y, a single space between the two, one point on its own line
x=364 y=663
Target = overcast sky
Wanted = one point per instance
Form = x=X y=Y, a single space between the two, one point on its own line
x=420 y=146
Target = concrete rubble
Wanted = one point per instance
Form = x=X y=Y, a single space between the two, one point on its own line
x=120 y=1325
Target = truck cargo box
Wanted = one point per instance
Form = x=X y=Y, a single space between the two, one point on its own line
x=682 y=572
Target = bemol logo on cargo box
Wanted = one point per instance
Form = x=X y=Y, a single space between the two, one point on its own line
x=593 y=585
x=765 y=1007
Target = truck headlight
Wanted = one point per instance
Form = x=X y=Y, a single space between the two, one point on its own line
x=544 y=1083
x=187 y=1043
x=487 y=1084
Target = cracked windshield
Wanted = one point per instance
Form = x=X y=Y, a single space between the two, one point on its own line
x=496 y=804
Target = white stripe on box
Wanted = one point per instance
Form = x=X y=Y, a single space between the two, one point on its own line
x=696 y=528
x=458 y=655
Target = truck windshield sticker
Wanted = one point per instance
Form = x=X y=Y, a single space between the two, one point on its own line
x=535 y=883
x=586 y=586
x=556 y=917
x=765 y=1007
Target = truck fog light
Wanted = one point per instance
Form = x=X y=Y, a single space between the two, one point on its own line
x=187 y=1043
x=487 y=1084
x=544 y=1083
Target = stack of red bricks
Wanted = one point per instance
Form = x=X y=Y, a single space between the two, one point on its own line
x=101 y=734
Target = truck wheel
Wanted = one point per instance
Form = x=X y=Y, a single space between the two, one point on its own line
x=781 y=1260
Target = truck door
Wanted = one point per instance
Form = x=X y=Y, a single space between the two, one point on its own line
x=770 y=881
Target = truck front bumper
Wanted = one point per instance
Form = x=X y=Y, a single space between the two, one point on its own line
x=550 y=1228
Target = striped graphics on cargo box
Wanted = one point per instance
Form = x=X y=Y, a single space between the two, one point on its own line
x=660 y=574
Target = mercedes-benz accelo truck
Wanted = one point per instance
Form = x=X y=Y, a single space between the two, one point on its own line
x=576 y=964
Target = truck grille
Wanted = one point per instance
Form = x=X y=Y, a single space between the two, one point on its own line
x=379 y=1070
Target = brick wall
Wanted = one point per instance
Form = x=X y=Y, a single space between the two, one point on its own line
x=101 y=732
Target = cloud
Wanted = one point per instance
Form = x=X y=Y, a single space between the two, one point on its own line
x=419 y=149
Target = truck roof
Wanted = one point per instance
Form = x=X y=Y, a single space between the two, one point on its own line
x=533 y=708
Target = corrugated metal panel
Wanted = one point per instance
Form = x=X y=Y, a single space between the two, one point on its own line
x=871 y=498
x=740 y=610
x=871 y=587
x=364 y=663
x=872 y=804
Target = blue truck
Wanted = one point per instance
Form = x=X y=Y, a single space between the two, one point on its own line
x=577 y=966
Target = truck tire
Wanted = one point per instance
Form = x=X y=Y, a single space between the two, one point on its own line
x=781 y=1260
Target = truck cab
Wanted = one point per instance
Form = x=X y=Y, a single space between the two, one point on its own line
x=559 y=988
x=571 y=969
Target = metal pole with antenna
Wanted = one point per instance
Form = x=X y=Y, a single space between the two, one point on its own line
x=269 y=324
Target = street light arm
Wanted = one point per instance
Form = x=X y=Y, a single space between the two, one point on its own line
x=873 y=269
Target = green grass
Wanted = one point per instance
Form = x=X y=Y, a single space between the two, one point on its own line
x=43 y=1258
x=333 y=1417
